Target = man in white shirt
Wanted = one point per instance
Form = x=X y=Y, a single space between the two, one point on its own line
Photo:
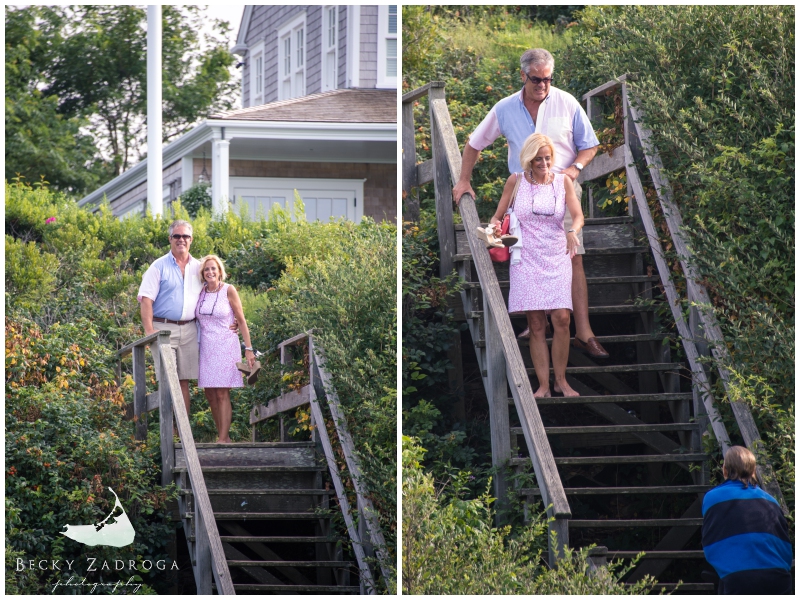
x=168 y=297
x=539 y=107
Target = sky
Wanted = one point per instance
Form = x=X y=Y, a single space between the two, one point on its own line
x=227 y=12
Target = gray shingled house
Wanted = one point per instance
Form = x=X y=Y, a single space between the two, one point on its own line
x=319 y=115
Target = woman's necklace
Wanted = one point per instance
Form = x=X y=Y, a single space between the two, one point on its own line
x=533 y=181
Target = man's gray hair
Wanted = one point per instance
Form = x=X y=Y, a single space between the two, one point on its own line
x=179 y=223
x=537 y=57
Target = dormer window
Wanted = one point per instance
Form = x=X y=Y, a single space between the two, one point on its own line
x=330 y=36
x=292 y=59
x=256 y=66
x=387 y=46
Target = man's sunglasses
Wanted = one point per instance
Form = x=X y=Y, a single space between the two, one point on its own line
x=181 y=236
x=538 y=80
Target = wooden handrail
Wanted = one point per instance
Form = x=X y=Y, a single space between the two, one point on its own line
x=321 y=387
x=699 y=297
x=365 y=506
x=447 y=165
x=209 y=553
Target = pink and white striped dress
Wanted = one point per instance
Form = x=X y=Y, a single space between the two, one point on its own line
x=542 y=280
x=219 y=346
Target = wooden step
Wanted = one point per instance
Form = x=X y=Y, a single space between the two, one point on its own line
x=611 y=399
x=622 y=250
x=254 y=516
x=248 y=445
x=618 y=309
x=290 y=563
x=628 y=279
x=276 y=492
x=253 y=469
x=319 y=589
x=668 y=554
x=684 y=587
x=273 y=539
x=586 y=222
x=637 y=368
x=240 y=455
x=614 y=460
x=603 y=339
x=590 y=429
x=590 y=523
x=604 y=491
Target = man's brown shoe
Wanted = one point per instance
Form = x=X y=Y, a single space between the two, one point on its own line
x=592 y=347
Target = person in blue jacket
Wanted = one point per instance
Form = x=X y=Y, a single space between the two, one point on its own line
x=745 y=535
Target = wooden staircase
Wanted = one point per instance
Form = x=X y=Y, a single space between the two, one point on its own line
x=257 y=516
x=622 y=466
x=273 y=515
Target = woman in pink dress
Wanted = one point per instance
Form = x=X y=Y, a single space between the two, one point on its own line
x=541 y=276
x=218 y=306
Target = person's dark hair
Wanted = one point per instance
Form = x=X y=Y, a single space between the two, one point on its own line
x=740 y=465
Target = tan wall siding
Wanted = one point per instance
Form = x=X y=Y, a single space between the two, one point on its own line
x=138 y=195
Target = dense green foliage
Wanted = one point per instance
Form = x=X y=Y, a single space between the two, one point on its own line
x=451 y=546
x=71 y=282
x=717 y=88
x=85 y=66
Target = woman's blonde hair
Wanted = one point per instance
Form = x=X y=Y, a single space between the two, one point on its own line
x=740 y=465
x=222 y=274
x=531 y=147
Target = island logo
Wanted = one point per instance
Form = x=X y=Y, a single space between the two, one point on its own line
x=115 y=530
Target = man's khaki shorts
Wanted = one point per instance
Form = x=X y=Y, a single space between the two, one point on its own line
x=185 y=349
x=568 y=218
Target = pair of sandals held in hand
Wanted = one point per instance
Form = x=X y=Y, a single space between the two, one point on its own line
x=492 y=239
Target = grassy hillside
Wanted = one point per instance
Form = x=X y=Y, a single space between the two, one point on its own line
x=71 y=282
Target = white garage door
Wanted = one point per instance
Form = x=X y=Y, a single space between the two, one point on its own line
x=324 y=199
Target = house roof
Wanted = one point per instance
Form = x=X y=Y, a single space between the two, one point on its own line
x=337 y=106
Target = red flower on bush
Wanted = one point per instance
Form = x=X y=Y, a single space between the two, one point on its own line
x=50 y=220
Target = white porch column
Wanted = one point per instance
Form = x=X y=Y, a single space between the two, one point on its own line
x=220 y=181
x=154 y=165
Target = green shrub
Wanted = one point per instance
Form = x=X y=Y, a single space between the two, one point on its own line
x=195 y=198
x=451 y=547
x=65 y=444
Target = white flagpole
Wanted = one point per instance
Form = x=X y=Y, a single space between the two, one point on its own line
x=154 y=167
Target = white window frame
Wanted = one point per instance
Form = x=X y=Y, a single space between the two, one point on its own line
x=286 y=186
x=292 y=45
x=385 y=80
x=256 y=74
x=330 y=52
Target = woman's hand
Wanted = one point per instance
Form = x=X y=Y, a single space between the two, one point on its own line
x=251 y=358
x=495 y=223
x=573 y=243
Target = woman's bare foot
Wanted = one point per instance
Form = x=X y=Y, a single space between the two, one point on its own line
x=563 y=388
x=227 y=441
x=542 y=392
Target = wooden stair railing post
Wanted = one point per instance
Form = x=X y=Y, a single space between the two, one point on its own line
x=165 y=416
x=443 y=189
x=204 y=514
x=139 y=393
x=701 y=300
x=364 y=504
x=366 y=581
x=410 y=201
x=544 y=465
x=497 y=395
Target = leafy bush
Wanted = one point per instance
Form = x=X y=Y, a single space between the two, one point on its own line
x=451 y=547
x=196 y=197
x=65 y=444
